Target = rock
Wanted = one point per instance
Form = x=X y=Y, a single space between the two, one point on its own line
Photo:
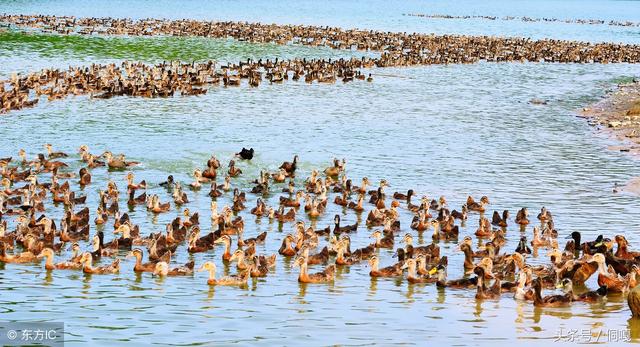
x=614 y=124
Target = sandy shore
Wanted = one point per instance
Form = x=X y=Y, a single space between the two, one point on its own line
x=618 y=115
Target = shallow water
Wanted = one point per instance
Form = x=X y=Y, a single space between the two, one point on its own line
x=442 y=130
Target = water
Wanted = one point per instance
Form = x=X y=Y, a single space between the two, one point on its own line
x=441 y=130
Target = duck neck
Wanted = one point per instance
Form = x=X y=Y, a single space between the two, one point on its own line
x=442 y=276
x=436 y=230
x=227 y=248
x=340 y=253
x=602 y=269
x=138 y=259
x=411 y=271
x=422 y=265
x=375 y=266
x=468 y=259
x=87 y=265
x=303 y=270
x=49 y=261
x=212 y=275
x=537 y=296
x=480 y=284
x=622 y=249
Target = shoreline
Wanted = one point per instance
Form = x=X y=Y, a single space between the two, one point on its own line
x=617 y=116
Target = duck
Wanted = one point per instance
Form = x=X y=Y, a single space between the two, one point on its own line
x=283 y=217
x=500 y=221
x=544 y=215
x=139 y=200
x=237 y=280
x=238 y=256
x=482 y=292
x=522 y=217
x=589 y=247
x=382 y=242
x=157 y=207
x=133 y=186
x=258 y=268
x=233 y=170
x=614 y=282
x=327 y=275
x=226 y=240
x=85 y=177
x=139 y=266
x=550 y=300
x=401 y=196
x=431 y=250
x=198 y=180
x=357 y=206
x=468 y=257
x=179 y=196
x=214 y=192
x=291 y=202
x=286 y=249
x=87 y=268
x=168 y=183
x=245 y=154
x=623 y=252
x=538 y=239
x=522 y=247
x=290 y=167
x=412 y=275
x=336 y=169
x=472 y=205
x=461 y=283
x=54 y=155
x=420 y=222
x=321 y=257
x=588 y=296
x=49 y=265
x=343 y=259
x=24 y=257
x=280 y=176
x=259 y=239
x=522 y=292
x=484 y=228
x=337 y=229
x=118 y=163
x=162 y=269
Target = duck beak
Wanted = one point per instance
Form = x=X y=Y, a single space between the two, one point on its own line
x=559 y=286
x=598 y=244
x=433 y=271
x=568 y=237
